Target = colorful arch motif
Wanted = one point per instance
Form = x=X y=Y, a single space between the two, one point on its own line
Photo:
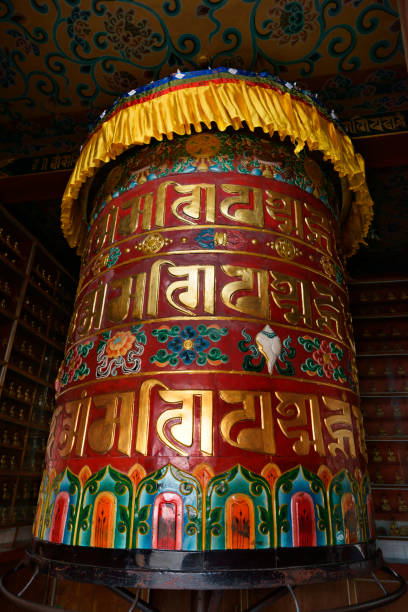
x=187 y=505
x=345 y=509
x=240 y=522
x=288 y=486
x=69 y=484
x=168 y=522
x=238 y=481
x=303 y=520
x=103 y=523
x=171 y=509
x=59 y=517
x=120 y=488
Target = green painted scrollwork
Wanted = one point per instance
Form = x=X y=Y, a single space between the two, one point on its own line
x=140 y=522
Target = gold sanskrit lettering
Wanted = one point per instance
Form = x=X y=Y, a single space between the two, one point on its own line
x=286 y=211
x=319 y=229
x=190 y=296
x=74 y=425
x=360 y=431
x=256 y=305
x=295 y=407
x=329 y=318
x=143 y=419
x=161 y=203
x=292 y=294
x=342 y=418
x=130 y=287
x=101 y=433
x=182 y=431
x=243 y=196
x=154 y=286
x=255 y=439
x=139 y=205
x=53 y=432
x=91 y=309
x=104 y=230
x=189 y=205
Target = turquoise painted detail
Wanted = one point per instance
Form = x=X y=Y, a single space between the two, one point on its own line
x=342 y=520
x=339 y=515
x=292 y=19
x=242 y=481
x=189 y=345
x=69 y=483
x=205 y=238
x=339 y=274
x=299 y=479
x=110 y=480
x=254 y=361
x=168 y=479
x=113 y=256
x=287 y=353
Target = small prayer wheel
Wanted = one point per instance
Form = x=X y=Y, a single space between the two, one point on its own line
x=207 y=429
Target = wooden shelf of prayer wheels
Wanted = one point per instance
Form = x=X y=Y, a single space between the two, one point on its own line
x=380 y=322
x=36 y=294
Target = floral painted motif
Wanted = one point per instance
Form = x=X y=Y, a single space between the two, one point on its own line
x=325 y=360
x=312 y=30
x=134 y=39
x=189 y=345
x=7 y=73
x=74 y=368
x=23 y=43
x=120 y=352
x=77 y=27
x=119 y=344
x=237 y=152
x=292 y=22
x=121 y=80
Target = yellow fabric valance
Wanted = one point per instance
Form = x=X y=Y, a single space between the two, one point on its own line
x=226 y=100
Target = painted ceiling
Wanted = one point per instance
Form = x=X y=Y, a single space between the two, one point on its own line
x=63 y=61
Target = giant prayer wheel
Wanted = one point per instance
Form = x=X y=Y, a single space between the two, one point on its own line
x=207 y=429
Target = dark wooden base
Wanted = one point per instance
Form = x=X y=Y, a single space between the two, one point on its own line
x=215 y=569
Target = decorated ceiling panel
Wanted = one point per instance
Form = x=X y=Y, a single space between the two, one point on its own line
x=63 y=61
x=70 y=55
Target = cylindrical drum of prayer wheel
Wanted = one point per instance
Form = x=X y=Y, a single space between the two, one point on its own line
x=207 y=429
